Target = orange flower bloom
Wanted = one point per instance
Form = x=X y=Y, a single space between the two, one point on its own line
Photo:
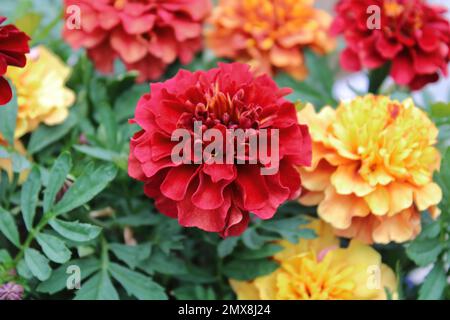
x=373 y=163
x=269 y=35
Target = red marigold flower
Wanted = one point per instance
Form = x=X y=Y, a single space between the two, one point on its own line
x=13 y=47
x=211 y=196
x=412 y=34
x=147 y=35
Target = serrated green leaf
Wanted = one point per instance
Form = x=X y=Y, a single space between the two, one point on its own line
x=98 y=287
x=434 y=285
x=58 y=279
x=8 y=227
x=74 y=230
x=29 y=197
x=46 y=135
x=92 y=181
x=58 y=174
x=131 y=255
x=38 y=264
x=136 y=284
x=54 y=248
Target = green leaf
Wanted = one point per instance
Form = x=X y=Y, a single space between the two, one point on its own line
x=288 y=229
x=108 y=124
x=127 y=101
x=58 y=279
x=227 y=246
x=23 y=270
x=249 y=269
x=434 y=285
x=164 y=263
x=98 y=153
x=424 y=251
x=8 y=116
x=267 y=250
x=54 y=248
x=92 y=181
x=29 y=197
x=5 y=257
x=20 y=162
x=58 y=175
x=252 y=239
x=74 y=230
x=8 y=227
x=131 y=255
x=136 y=284
x=440 y=110
x=38 y=264
x=98 y=287
x=46 y=135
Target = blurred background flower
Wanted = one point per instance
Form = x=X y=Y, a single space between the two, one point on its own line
x=270 y=36
x=41 y=93
x=147 y=35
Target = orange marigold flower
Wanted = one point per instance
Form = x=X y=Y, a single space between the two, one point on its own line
x=269 y=35
x=373 y=163
x=319 y=269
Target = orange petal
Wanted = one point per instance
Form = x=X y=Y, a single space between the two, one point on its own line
x=427 y=196
x=401 y=196
x=338 y=210
x=378 y=201
x=346 y=180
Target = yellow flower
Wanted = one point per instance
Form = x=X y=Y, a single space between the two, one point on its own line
x=41 y=93
x=373 y=163
x=318 y=269
x=269 y=35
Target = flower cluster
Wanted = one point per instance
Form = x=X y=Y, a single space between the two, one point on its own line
x=320 y=270
x=269 y=35
x=372 y=169
x=411 y=35
x=147 y=35
x=13 y=47
x=211 y=196
x=41 y=93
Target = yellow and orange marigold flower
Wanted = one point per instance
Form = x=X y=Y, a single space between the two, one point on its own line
x=373 y=163
x=269 y=35
x=319 y=269
x=41 y=93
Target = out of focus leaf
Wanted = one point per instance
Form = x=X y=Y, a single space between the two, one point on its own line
x=46 y=135
x=98 y=287
x=38 y=264
x=434 y=285
x=249 y=269
x=58 y=175
x=29 y=197
x=131 y=255
x=8 y=115
x=8 y=227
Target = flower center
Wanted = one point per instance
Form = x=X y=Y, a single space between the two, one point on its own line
x=309 y=277
x=393 y=9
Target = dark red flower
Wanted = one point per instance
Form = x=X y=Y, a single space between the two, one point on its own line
x=147 y=35
x=211 y=196
x=13 y=47
x=413 y=35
